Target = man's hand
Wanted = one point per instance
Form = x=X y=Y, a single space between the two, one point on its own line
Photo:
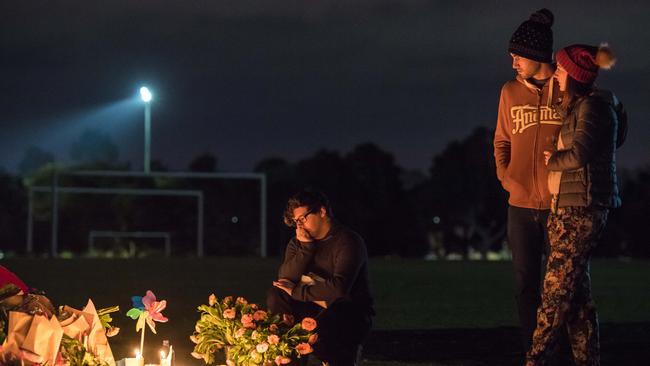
x=303 y=235
x=547 y=156
x=285 y=285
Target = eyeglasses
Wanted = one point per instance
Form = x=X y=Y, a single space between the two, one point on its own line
x=303 y=218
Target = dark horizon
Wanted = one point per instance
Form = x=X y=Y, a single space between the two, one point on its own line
x=247 y=81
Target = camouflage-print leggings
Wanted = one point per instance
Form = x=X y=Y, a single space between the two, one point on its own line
x=566 y=299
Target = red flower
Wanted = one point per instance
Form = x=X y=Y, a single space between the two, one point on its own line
x=229 y=313
x=304 y=348
x=288 y=319
x=281 y=360
x=308 y=324
x=247 y=321
x=273 y=339
x=259 y=315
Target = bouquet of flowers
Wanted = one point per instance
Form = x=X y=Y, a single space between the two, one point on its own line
x=248 y=335
x=33 y=332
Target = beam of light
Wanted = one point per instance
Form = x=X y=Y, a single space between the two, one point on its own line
x=145 y=94
x=122 y=120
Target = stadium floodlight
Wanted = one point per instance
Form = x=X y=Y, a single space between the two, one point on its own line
x=145 y=94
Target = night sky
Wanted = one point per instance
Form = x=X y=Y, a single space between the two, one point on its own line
x=248 y=80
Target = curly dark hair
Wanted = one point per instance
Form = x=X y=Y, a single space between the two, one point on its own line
x=313 y=199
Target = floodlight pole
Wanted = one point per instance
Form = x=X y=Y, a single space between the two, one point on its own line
x=147 y=137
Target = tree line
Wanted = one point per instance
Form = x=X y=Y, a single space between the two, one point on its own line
x=457 y=206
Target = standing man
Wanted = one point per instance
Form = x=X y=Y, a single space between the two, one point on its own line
x=527 y=124
x=324 y=275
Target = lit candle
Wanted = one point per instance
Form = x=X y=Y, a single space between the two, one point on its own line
x=137 y=361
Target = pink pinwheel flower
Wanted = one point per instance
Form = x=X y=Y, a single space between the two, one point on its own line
x=154 y=309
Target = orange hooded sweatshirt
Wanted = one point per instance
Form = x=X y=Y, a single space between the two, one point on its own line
x=527 y=124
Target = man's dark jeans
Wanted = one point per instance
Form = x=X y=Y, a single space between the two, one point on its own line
x=342 y=327
x=528 y=241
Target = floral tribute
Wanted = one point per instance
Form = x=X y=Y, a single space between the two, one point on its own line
x=34 y=332
x=146 y=309
x=248 y=335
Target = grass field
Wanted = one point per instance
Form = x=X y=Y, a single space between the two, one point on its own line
x=409 y=294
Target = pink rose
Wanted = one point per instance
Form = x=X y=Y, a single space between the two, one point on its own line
x=212 y=300
x=308 y=324
x=229 y=313
x=312 y=338
x=273 y=339
x=259 y=315
x=273 y=328
x=288 y=319
x=241 y=300
x=247 y=321
x=262 y=347
x=281 y=360
x=304 y=348
x=254 y=306
x=240 y=332
x=227 y=300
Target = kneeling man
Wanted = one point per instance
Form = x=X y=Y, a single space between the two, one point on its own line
x=324 y=275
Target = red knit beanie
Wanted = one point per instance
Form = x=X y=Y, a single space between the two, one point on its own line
x=583 y=61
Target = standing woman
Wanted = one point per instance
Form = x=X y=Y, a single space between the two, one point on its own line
x=582 y=181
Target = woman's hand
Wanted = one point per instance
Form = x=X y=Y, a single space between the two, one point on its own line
x=547 y=156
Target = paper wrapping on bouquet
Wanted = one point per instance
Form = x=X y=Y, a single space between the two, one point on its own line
x=75 y=327
x=86 y=323
x=38 y=337
x=44 y=338
x=97 y=340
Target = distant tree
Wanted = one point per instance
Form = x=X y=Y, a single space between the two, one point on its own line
x=281 y=182
x=466 y=195
x=366 y=193
x=12 y=212
x=33 y=159
x=158 y=166
x=205 y=162
x=626 y=231
x=94 y=146
x=378 y=205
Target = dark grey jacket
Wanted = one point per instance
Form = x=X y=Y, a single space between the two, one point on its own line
x=339 y=261
x=588 y=161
